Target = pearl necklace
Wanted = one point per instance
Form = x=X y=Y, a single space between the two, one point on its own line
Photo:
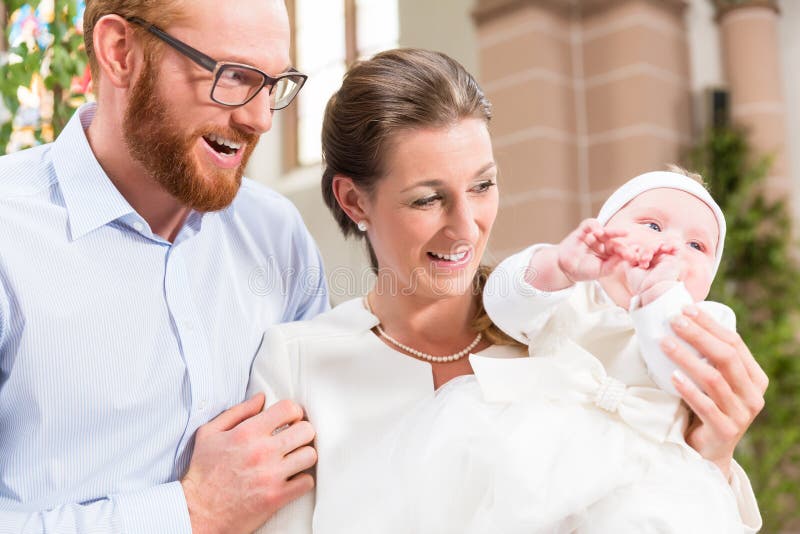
x=422 y=355
x=433 y=359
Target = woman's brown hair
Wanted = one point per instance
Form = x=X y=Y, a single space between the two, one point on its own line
x=396 y=91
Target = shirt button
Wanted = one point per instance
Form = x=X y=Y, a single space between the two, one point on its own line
x=202 y=405
x=139 y=227
x=189 y=326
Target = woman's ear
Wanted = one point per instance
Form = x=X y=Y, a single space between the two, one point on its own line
x=353 y=201
x=113 y=41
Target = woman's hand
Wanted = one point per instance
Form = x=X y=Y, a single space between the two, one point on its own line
x=731 y=384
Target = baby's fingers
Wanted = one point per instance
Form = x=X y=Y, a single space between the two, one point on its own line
x=619 y=248
x=612 y=233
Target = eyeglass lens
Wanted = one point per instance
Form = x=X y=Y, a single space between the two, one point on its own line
x=236 y=85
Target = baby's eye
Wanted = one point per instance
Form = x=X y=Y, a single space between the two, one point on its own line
x=697 y=246
x=654 y=226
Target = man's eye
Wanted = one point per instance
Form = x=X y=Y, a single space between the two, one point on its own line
x=231 y=75
x=696 y=245
x=654 y=226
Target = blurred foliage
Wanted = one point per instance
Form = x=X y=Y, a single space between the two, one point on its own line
x=44 y=73
x=759 y=278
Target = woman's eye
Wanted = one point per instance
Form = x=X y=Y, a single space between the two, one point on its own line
x=696 y=245
x=484 y=186
x=426 y=201
x=654 y=226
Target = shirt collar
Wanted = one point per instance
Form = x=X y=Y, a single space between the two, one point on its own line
x=91 y=199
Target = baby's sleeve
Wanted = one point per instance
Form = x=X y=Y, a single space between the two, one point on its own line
x=276 y=373
x=652 y=324
x=516 y=307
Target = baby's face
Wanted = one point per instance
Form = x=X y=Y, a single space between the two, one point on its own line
x=670 y=214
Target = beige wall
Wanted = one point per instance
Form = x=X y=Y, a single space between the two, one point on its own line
x=443 y=25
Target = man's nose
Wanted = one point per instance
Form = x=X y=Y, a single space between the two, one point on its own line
x=256 y=116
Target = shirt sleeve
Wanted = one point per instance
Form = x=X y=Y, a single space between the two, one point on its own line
x=516 y=307
x=309 y=292
x=5 y=315
x=158 y=509
x=275 y=372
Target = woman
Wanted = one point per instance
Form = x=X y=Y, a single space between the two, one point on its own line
x=409 y=168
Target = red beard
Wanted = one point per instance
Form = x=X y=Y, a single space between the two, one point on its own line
x=155 y=140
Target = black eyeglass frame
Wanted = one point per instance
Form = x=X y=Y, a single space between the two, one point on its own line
x=216 y=68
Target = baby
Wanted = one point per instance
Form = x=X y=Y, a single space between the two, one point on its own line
x=656 y=242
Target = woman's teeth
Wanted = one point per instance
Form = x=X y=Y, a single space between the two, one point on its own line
x=449 y=257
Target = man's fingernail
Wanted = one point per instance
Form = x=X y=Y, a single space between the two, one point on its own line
x=669 y=345
x=691 y=310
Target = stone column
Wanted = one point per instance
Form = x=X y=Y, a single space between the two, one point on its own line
x=527 y=71
x=637 y=90
x=587 y=94
x=751 y=59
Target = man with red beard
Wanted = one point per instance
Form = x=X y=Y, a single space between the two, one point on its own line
x=138 y=271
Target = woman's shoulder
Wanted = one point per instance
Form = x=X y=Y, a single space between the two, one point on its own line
x=504 y=351
x=350 y=318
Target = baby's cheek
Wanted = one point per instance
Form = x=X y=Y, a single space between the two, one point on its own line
x=697 y=279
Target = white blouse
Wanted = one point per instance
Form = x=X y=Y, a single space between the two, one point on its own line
x=353 y=388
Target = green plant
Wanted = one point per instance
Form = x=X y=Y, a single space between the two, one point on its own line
x=760 y=279
x=46 y=68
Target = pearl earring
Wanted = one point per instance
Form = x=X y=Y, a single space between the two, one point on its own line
x=362 y=225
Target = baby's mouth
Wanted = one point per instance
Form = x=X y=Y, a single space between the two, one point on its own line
x=223 y=146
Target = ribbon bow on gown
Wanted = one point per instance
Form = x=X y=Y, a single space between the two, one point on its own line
x=574 y=374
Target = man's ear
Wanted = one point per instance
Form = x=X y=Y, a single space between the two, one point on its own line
x=115 y=50
x=351 y=199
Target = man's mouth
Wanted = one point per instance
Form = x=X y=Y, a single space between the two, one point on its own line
x=221 y=145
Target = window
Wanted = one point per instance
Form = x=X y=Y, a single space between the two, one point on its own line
x=330 y=35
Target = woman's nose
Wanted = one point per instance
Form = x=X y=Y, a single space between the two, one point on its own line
x=461 y=224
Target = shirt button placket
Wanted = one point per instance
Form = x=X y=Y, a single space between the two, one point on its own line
x=191 y=338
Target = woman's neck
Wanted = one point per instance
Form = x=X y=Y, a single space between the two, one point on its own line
x=435 y=325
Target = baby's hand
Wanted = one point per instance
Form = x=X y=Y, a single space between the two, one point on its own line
x=657 y=271
x=592 y=251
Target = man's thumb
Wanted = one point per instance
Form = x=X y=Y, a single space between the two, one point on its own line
x=236 y=414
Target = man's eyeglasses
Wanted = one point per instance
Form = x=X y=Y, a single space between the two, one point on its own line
x=235 y=84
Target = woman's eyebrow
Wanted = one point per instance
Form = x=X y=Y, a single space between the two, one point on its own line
x=486 y=168
x=439 y=183
x=424 y=183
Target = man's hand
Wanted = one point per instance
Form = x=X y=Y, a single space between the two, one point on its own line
x=246 y=465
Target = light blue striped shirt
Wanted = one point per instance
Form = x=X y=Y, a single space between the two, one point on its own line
x=116 y=345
